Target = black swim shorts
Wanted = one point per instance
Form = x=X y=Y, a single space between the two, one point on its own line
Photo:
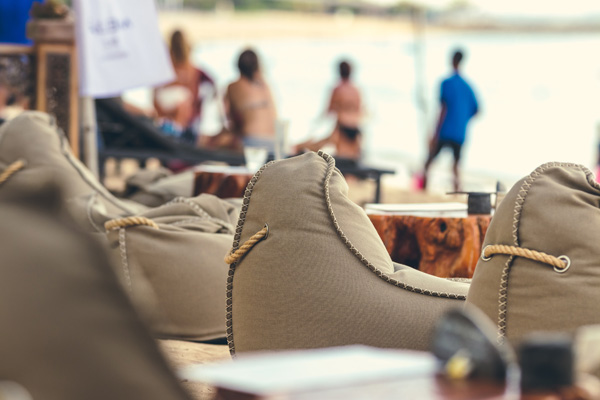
x=456 y=148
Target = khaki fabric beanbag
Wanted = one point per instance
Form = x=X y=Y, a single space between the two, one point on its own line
x=322 y=277
x=170 y=260
x=154 y=188
x=68 y=332
x=174 y=270
x=34 y=139
x=554 y=210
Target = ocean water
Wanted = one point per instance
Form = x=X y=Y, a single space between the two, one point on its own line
x=539 y=97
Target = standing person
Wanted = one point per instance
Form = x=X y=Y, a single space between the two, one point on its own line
x=179 y=103
x=458 y=106
x=345 y=103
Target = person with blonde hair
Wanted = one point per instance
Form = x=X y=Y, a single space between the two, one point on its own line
x=179 y=103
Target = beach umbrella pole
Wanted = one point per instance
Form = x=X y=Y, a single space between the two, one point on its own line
x=418 y=22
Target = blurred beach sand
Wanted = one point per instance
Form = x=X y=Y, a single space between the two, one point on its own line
x=276 y=24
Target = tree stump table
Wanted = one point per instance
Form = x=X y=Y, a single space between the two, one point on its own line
x=444 y=246
x=223 y=182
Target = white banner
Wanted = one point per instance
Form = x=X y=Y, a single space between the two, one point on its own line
x=119 y=47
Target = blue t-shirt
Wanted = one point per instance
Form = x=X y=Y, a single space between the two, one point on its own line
x=461 y=105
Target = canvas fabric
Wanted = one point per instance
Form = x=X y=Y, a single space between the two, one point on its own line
x=323 y=277
x=35 y=138
x=154 y=188
x=176 y=274
x=68 y=331
x=554 y=210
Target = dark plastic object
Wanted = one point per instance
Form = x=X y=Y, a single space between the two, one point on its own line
x=478 y=202
x=547 y=362
x=469 y=331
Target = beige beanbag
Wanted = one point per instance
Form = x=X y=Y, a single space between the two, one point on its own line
x=554 y=210
x=170 y=261
x=322 y=277
x=174 y=271
x=68 y=330
x=34 y=139
x=154 y=188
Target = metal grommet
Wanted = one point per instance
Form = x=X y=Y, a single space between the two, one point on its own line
x=483 y=257
x=266 y=234
x=567 y=261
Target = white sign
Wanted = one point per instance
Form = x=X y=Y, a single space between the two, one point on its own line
x=119 y=47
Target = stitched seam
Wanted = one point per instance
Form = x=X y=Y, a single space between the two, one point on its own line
x=186 y=221
x=330 y=168
x=198 y=210
x=124 y=262
x=97 y=188
x=235 y=246
x=518 y=210
x=183 y=200
x=89 y=213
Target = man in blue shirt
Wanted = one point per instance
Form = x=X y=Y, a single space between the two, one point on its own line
x=458 y=106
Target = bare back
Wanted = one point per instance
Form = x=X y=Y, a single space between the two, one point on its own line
x=346 y=103
x=250 y=108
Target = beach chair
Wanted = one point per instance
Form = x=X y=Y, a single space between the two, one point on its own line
x=123 y=135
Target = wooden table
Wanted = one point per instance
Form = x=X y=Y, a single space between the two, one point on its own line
x=424 y=388
x=433 y=388
x=181 y=353
x=223 y=182
x=442 y=245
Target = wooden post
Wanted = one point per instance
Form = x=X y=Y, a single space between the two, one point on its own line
x=56 y=73
x=90 y=145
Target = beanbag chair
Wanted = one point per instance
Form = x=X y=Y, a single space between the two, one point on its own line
x=34 y=139
x=157 y=187
x=170 y=261
x=321 y=276
x=68 y=330
x=174 y=270
x=540 y=268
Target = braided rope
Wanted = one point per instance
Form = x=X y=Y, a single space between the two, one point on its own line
x=556 y=262
x=129 y=221
x=230 y=258
x=11 y=169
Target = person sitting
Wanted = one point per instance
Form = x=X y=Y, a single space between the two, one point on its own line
x=249 y=107
x=179 y=103
x=345 y=103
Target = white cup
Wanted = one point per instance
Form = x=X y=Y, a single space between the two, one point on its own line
x=255 y=157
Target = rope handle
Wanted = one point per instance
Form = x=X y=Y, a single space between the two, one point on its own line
x=232 y=257
x=129 y=221
x=11 y=169
x=560 y=264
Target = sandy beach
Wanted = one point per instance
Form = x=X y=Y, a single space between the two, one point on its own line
x=275 y=24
